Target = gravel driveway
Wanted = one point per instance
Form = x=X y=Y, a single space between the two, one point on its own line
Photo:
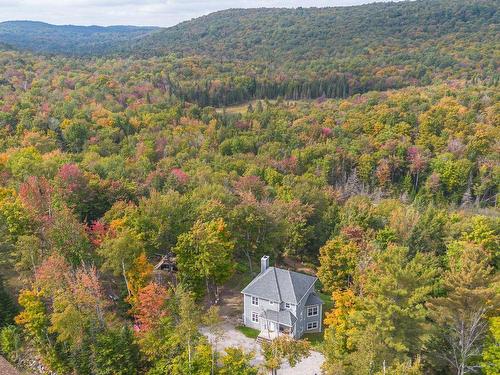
x=233 y=337
x=6 y=368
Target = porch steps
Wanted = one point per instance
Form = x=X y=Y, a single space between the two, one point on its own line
x=261 y=339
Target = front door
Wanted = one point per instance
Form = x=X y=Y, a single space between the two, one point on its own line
x=272 y=326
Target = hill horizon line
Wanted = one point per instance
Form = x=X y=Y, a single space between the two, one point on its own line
x=374 y=3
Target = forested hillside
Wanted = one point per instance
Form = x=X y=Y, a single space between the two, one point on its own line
x=387 y=191
x=246 y=54
x=336 y=52
x=303 y=36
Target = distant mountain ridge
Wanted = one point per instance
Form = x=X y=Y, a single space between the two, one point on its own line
x=241 y=54
x=275 y=34
x=67 y=39
x=316 y=33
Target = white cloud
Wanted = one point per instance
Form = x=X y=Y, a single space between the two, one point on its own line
x=137 y=12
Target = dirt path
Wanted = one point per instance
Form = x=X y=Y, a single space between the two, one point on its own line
x=233 y=337
x=231 y=306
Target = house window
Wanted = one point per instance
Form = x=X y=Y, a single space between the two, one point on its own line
x=255 y=317
x=287 y=305
x=312 y=325
x=312 y=311
x=255 y=301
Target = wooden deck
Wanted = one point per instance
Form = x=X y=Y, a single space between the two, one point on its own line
x=266 y=335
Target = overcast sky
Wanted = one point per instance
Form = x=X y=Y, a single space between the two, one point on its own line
x=137 y=12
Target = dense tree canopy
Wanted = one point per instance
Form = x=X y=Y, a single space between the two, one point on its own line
x=385 y=185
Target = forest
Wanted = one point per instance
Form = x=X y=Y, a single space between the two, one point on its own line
x=380 y=175
x=237 y=55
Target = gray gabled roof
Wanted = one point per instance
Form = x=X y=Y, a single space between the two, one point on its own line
x=280 y=285
x=284 y=317
x=313 y=299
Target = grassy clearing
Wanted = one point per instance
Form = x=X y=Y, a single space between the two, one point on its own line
x=243 y=107
x=248 y=332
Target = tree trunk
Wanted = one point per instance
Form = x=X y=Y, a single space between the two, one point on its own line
x=208 y=289
x=247 y=253
x=33 y=264
x=217 y=299
x=249 y=262
x=125 y=278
